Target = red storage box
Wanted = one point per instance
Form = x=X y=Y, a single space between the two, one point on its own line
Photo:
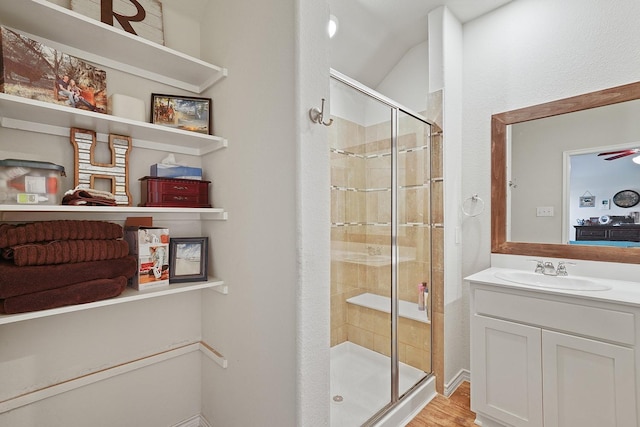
x=174 y=192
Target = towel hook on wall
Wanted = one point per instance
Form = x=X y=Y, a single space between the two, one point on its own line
x=317 y=116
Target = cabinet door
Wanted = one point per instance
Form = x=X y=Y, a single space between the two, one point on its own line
x=506 y=380
x=587 y=383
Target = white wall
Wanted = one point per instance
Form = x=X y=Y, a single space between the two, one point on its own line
x=41 y=353
x=445 y=69
x=529 y=52
x=274 y=249
x=408 y=81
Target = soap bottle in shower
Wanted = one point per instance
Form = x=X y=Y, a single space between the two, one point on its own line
x=421 y=301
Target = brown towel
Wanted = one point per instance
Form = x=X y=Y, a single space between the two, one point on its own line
x=79 y=293
x=66 y=251
x=41 y=231
x=16 y=280
x=89 y=197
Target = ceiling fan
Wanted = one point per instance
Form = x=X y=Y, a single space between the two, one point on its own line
x=620 y=153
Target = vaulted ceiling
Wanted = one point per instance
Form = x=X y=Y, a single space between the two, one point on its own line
x=373 y=35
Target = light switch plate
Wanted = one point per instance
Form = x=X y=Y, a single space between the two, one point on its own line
x=544 y=211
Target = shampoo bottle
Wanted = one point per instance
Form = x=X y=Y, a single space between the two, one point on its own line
x=425 y=288
x=421 y=301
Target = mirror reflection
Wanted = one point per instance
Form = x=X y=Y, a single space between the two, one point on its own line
x=572 y=178
x=544 y=160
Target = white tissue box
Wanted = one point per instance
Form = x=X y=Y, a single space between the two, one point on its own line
x=162 y=170
x=126 y=107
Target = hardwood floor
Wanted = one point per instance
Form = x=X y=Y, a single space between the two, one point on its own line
x=447 y=412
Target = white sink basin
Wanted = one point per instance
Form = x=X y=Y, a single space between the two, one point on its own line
x=553 y=282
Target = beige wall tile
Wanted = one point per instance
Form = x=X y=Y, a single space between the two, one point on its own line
x=437 y=246
x=437 y=202
x=438 y=350
x=436 y=157
x=411 y=332
x=437 y=291
x=382 y=324
x=417 y=358
x=382 y=344
x=360 y=337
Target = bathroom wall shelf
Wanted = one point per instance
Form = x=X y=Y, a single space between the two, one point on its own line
x=53 y=119
x=408 y=310
x=127 y=296
x=34 y=212
x=382 y=224
x=91 y=40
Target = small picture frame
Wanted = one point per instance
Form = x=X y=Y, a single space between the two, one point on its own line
x=188 y=259
x=182 y=112
x=587 y=201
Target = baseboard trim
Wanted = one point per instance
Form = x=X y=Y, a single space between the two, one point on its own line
x=195 y=421
x=123 y=368
x=462 y=376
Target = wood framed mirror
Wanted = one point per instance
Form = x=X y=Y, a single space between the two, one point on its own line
x=499 y=178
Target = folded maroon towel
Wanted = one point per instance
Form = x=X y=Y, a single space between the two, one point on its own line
x=79 y=293
x=89 y=197
x=66 y=251
x=41 y=231
x=16 y=280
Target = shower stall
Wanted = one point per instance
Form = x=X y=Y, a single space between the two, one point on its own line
x=383 y=189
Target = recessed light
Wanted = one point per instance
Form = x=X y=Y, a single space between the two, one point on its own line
x=332 y=27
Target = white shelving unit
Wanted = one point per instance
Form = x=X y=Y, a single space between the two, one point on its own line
x=127 y=296
x=89 y=39
x=27 y=212
x=53 y=119
x=93 y=41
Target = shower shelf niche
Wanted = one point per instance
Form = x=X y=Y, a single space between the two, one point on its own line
x=408 y=310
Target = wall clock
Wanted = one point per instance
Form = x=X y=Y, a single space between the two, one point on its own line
x=626 y=198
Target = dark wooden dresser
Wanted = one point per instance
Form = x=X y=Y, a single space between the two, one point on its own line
x=623 y=232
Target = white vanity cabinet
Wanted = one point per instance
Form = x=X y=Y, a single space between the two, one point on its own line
x=552 y=360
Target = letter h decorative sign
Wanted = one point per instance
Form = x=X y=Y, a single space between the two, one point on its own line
x=140 y=17
x=87 y=169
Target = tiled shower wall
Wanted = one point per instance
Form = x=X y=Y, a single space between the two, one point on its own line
x=360 y=223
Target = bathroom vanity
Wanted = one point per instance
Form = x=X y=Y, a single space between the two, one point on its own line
x=546 y=354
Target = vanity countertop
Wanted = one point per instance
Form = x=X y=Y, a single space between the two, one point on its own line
x=621 y=292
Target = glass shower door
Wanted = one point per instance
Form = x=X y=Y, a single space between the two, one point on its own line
x=413 y=242
x=380 y=253
x=361 y=257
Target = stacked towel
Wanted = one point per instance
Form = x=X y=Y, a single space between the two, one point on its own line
x=51 y=264
x=65 y=251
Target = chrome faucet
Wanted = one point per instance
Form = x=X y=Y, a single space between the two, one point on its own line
x=562 y=268
x=539 y=266
x=549 y=269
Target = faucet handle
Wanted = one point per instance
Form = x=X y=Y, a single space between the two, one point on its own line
x=539 y=265
x=562 y=268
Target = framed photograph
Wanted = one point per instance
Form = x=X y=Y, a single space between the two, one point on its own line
x=188 y=257
x=587 y=201
x=182 y=112
x=30 y=69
